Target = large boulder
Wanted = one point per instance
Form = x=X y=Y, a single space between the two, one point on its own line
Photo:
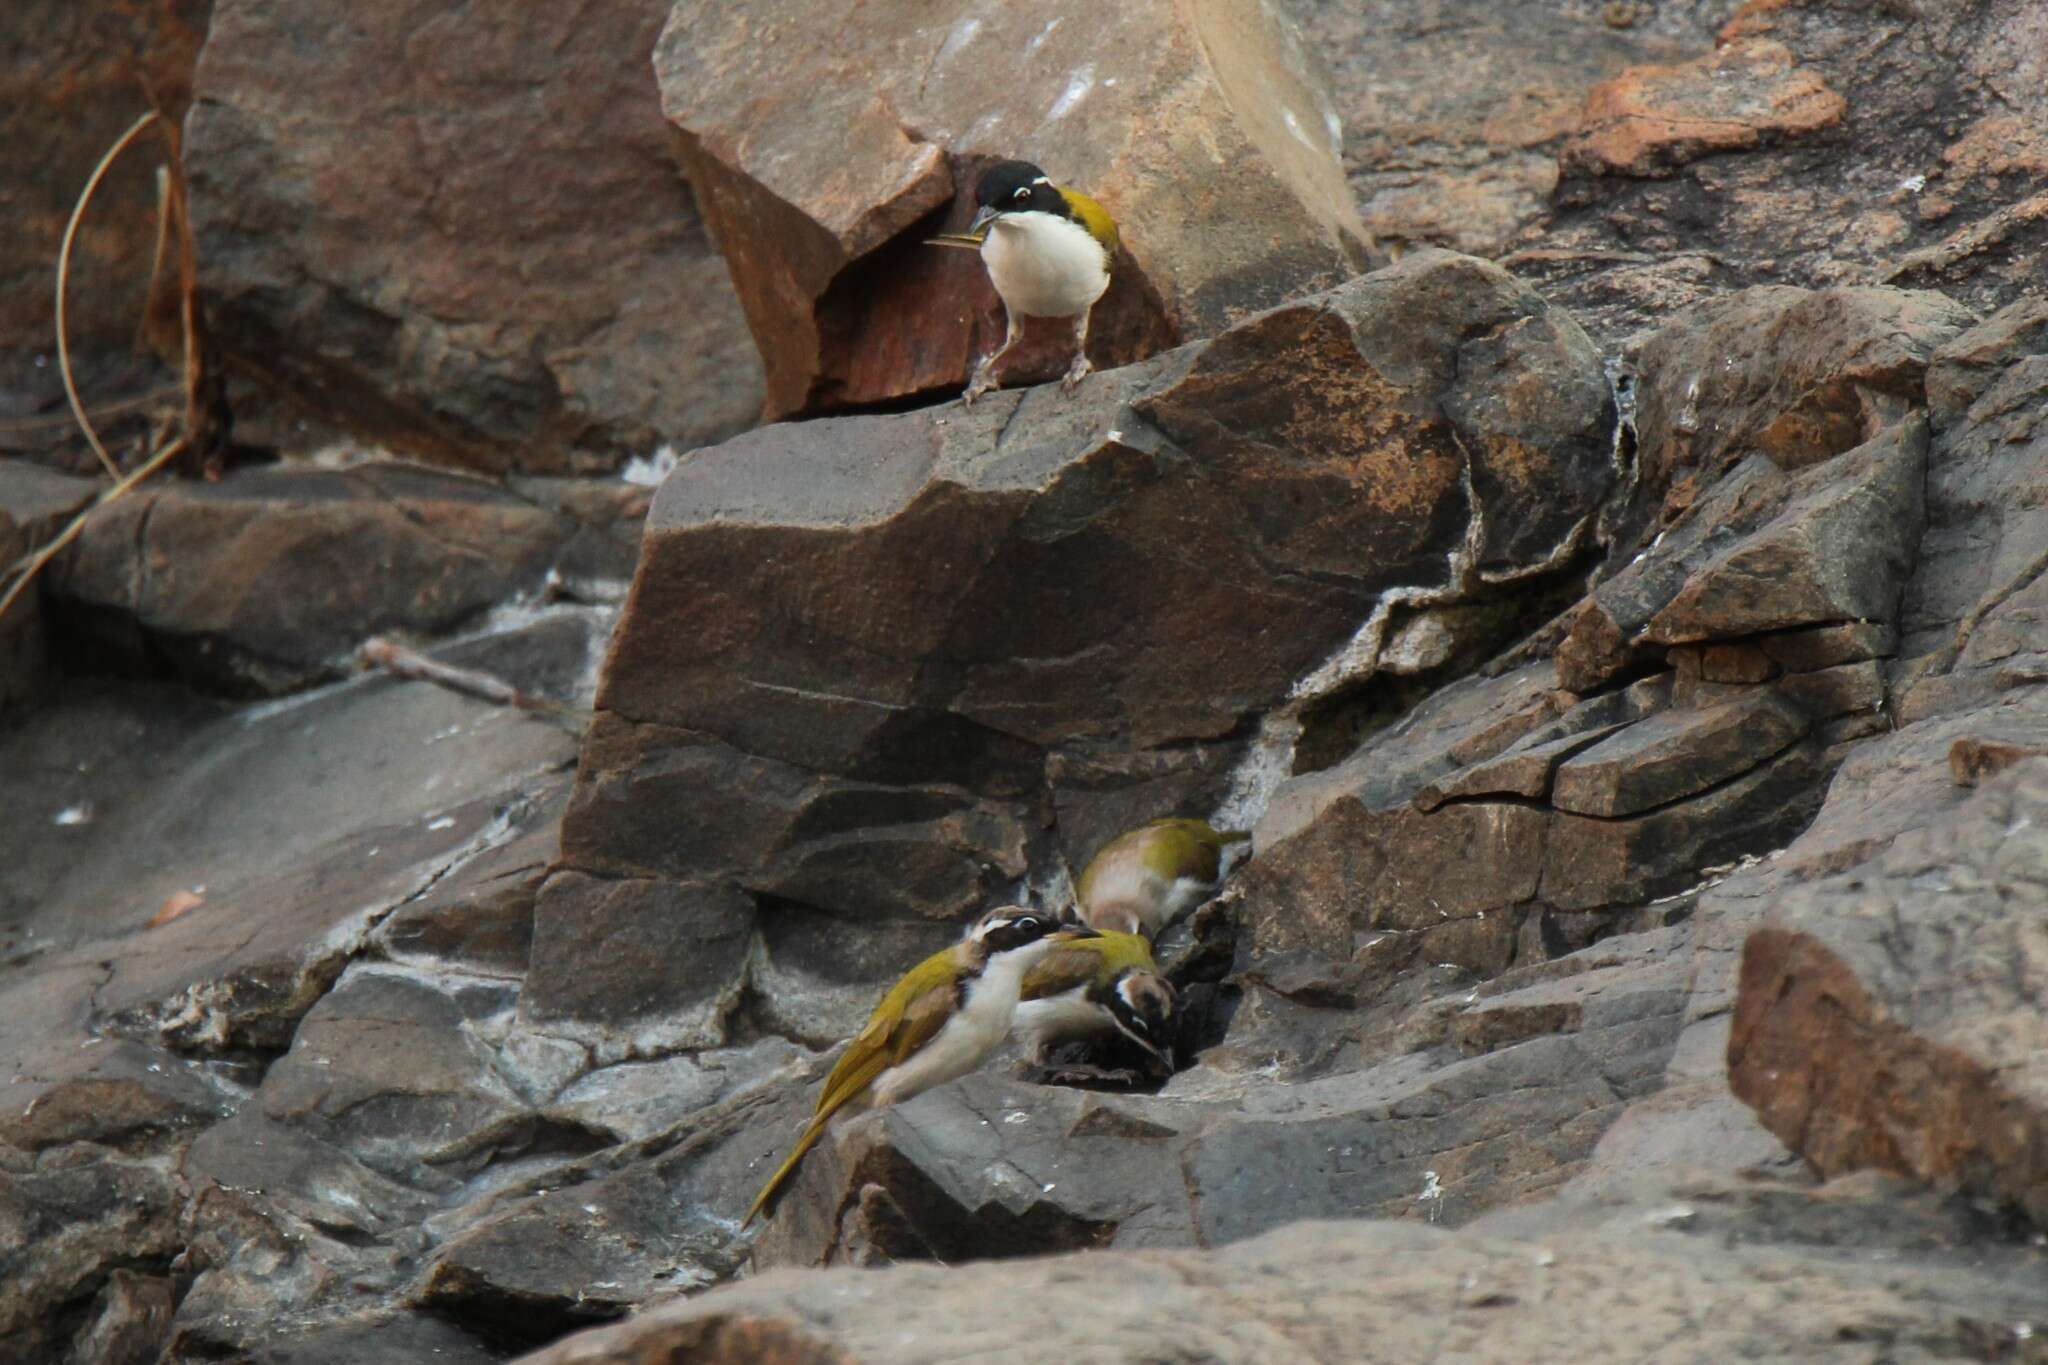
x=461 y=234
x=826 y=139
x=1879 y=1026
x=861 y=658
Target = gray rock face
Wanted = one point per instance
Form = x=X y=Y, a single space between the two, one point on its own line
x=490 y=323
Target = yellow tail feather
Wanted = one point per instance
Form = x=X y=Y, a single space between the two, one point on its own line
x=811 y=1134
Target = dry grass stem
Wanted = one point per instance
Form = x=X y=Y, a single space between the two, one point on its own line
x=63 y=278
x=28 y=566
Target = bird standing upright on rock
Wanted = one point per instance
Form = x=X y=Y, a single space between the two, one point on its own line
x=1107 y=984
x=1048 y=251
x=938 y=1023
x=1145 y=877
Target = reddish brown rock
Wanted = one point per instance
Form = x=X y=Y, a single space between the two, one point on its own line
x=1877 y=1025
x=461 y=234
x=1850 y=145
x=1453 y=112
x=1973 y=761
x=73 y=75
x=824 y=153
x=1652 y=120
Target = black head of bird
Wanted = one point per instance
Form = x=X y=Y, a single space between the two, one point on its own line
x=1048 y=249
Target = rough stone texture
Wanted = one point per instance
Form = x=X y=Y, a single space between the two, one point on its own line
x=269 y=579
x=1786 y=495
x=1020 y=585
x=1649 y=121
x=1454 y=110
x=1878 y=1025
x=73 y=75
x=462 y=235
x=1851 y=145
x=823 y=155
x=1798 y=376
x=35 y=504
x=1974 y=613
x=1606 y=1293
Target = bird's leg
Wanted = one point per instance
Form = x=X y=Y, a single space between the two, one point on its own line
x=984 y=377
x=1080 y=368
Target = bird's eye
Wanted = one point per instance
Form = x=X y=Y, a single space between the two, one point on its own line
x=1022 y=193
x=1028 y=923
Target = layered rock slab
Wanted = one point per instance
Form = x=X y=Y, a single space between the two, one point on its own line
x=1612 y=1293
x=823 y=153
x=855 y=651
x=1887 y=1017
x=552 y=303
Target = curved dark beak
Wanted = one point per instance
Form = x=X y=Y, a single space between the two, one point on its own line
x=982 y=218
x=1142 y=1041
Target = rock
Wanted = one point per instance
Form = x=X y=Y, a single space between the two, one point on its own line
x=74 y=77
x=1815 y=375
x=1971 y=761
x=824 y=157
x=1878 y=1027
x=1453 y=113
x=1673 y=755
x=1649 y=121
x=1596 y=1295
x=269 y=579
x=1967 y=366
x=65 y=1225
x=887 y=753
x=1763 y=552
x=1975 y=605
x=1910 y=117
x=130 y=1320
x=35 y=504
x=552 y=304
x=580 y=986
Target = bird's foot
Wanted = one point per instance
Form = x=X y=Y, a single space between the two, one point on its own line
x=1076 y=372
x=982 y=380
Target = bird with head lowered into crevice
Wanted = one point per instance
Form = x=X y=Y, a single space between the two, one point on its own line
x=938 y=1023
x=1144 y=878
x=1092 y=988
x=1048 y=250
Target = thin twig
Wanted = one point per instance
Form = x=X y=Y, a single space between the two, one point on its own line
x=63 y=276
x=31 y=564
x=401 y=662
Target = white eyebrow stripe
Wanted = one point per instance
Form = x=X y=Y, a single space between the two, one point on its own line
x=1041 y=181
